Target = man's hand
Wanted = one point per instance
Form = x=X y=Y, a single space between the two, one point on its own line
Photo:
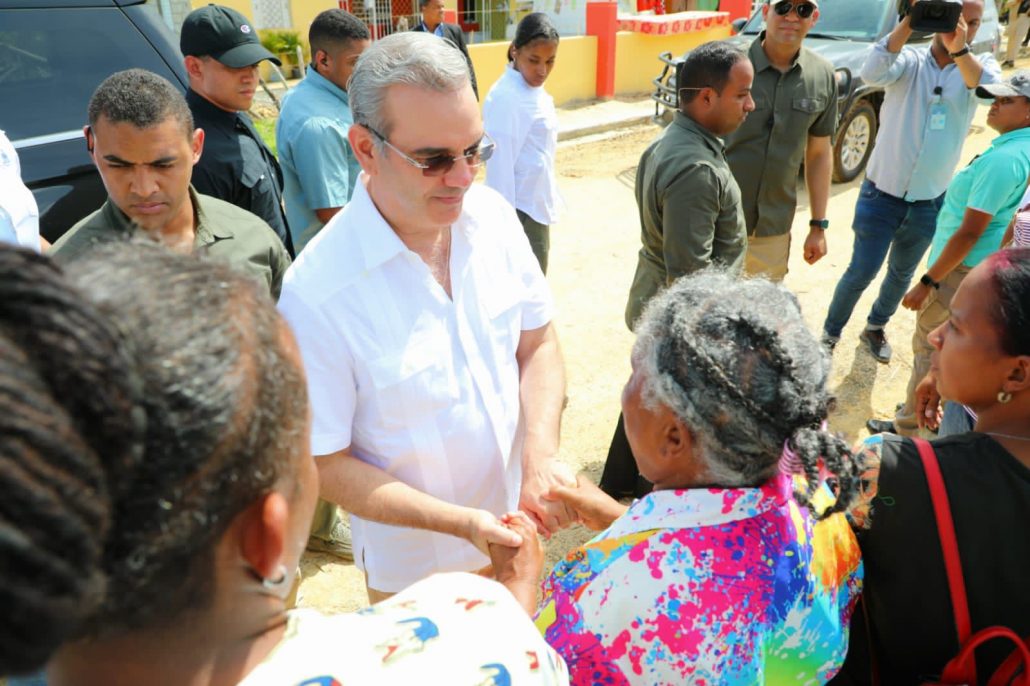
x=916 y=296
x=956 y=40
x=815 y=246
x=483 y=530
x=928 y=403
x=594 y=508
x=519 y=568
x=540 y=476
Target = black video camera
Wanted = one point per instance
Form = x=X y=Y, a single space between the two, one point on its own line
x=931 y=16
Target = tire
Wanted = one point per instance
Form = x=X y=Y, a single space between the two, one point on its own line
x=855 y=139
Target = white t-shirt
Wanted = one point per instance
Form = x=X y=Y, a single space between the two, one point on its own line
x=415 y=383
x=448 y=629
x=19 y=215
x=524 y=124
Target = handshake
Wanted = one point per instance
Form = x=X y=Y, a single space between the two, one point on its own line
x=519 y=567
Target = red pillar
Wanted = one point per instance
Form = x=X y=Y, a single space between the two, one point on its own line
x=603 y=22
x=450 y=16
x=736 y=8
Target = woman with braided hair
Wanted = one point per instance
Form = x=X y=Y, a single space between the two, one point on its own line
x=69 y=418
x=721 y=574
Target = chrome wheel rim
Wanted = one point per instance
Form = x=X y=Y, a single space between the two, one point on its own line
x=856 y=143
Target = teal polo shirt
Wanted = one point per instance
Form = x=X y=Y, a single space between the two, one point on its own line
x=319 y=167
x=992 y=183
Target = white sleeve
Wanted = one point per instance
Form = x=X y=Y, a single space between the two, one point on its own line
x=505 y=122
x=537 y=299
x=332 y=389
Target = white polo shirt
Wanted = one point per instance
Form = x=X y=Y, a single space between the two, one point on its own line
x=417 y=384
x=19 y=216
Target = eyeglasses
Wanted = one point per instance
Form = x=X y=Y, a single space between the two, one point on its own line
x=804 y=10
x=438 y=165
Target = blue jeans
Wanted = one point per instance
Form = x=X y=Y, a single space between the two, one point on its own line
x=955 y=420
x=882 y=224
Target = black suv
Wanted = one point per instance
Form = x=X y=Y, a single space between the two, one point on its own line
x=53 y=55
x=844 y=35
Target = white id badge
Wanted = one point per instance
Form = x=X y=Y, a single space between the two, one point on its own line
x=938 y=117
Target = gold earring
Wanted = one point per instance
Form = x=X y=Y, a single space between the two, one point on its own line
x=1004 y=397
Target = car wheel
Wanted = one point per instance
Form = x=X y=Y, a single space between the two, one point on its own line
x=855 y=140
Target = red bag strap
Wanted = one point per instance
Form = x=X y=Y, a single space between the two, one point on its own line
x=946 y=532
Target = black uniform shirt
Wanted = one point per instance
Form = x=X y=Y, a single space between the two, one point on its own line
x=236 y=166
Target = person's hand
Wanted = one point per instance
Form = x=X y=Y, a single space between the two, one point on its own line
x=518 y=569
x=928 y=403
x=956 y=40
x=539 y=477
x=815 y=246
x=594 y=508
x=915 y=297
x=483 y=529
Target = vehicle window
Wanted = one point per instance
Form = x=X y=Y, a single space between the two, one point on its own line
x=848 y=19
x=51 y=61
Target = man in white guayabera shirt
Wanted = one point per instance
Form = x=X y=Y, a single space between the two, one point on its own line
x=424 y=322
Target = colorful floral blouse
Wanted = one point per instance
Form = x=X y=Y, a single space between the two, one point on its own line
x=706 y=586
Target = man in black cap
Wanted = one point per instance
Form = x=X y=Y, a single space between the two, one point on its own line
x=222 y=52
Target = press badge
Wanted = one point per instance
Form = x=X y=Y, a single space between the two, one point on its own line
x=938 y=116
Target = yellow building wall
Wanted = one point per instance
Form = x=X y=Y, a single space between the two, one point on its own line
x=574 y=76
x=303 y=12
x=636 y=55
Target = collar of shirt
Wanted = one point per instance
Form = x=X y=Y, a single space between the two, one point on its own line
x=697 y=507
x=377 y=242
x=322 y=83
x=210 y=114
x=711 y=140
x=760 y=60
x=1022 y=134
x=438 y=31
x=514 y=76
x=204 y=233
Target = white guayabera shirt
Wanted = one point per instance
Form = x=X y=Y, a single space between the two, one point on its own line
x=423 y=386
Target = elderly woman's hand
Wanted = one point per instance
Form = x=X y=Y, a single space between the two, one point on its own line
x=928 y=403
x=518 y=569
x=594 y=508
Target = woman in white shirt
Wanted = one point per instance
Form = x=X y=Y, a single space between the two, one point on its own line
x=520 y=116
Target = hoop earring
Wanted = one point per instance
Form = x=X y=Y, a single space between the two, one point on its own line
x=1004 y=397
x=279 y=588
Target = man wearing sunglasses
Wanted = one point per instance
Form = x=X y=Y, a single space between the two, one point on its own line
x=929 y=102
x=424 y=322
x=795 y=116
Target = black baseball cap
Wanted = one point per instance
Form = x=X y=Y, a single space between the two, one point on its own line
x=225 y=34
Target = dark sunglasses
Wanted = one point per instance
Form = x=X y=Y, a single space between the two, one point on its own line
x=438 y=165
x=804 y=10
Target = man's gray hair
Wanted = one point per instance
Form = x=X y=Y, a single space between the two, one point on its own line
x=734 y=361
x=410 y=58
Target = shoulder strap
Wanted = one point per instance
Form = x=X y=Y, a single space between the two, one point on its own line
x=946 y=532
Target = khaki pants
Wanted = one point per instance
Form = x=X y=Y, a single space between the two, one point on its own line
x=375 y=596
x=935 y=311
x=324 y=520
x=1018 y=25
x=767 y=256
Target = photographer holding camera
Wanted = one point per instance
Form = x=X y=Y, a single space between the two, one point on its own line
x=929 y=102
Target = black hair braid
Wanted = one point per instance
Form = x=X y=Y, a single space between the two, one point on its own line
x=68 y=422
x=811 y=445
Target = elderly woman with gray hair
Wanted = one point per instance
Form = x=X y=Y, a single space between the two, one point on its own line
x=721 y=574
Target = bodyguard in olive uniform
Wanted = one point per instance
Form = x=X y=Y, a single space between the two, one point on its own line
x=222 y=52
x=143 y=142
x=689 y=203
x=795 y=116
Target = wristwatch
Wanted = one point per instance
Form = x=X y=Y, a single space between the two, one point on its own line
x=821 y=224
x=963 y=51
x=927 y=281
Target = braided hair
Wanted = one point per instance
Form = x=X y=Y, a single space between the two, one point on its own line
x=226 y=408
x=736 y=364
x=70 y=420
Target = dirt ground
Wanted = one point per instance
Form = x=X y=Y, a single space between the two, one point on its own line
x=593 y=256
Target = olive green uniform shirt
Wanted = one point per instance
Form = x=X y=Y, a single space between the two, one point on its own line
x=689 y=207
x=223 y=231
x=766 y=152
